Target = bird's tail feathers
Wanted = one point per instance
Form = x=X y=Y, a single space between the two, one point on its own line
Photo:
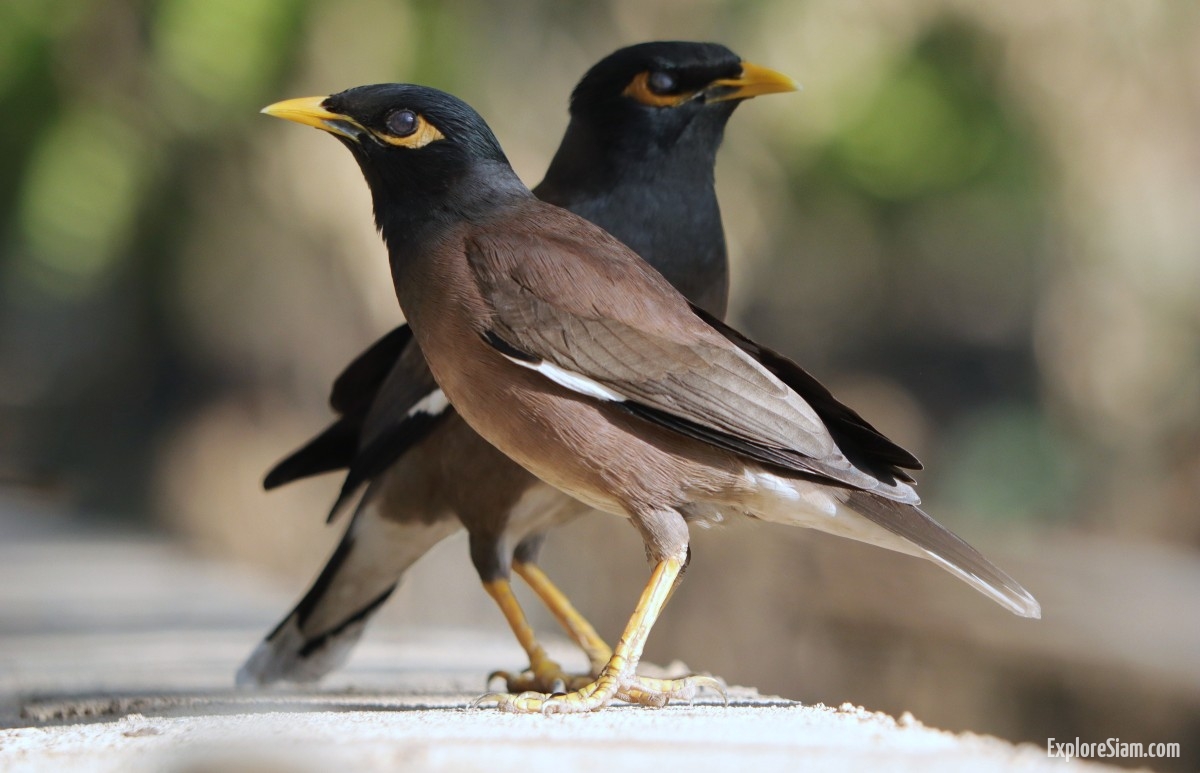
x=318 y=635
x=947 y=550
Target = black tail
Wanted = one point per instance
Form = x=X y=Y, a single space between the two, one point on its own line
x=318 y=635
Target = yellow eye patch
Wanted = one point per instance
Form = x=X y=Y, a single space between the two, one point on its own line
x=639 y=89
x=421 y=135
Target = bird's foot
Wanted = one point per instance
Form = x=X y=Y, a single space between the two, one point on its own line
x=543 y=676
x=601 y=691
x=657 y=693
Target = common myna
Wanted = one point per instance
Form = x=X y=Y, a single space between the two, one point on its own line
x=573 y=356
x=637 y=159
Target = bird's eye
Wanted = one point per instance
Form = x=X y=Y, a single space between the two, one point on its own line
x=655 y=88
x=402 y=123
x=660 y=82
x=405 y=128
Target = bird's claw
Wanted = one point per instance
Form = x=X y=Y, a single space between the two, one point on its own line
x=643 y=691
x=552 y=681
x=488 y=696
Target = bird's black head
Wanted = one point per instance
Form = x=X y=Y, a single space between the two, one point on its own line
x=415 y=145
x=389 y=122
x=650 y=93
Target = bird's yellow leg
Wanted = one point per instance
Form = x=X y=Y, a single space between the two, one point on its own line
x=576 y=625
x=544 y=674
x=617 y=678
x=647 y=691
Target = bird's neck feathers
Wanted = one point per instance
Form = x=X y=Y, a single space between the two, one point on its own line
x=602 y=156
x=659 y=199
x=412 y=201
x=415 y=208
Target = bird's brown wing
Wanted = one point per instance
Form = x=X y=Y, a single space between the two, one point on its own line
x=865 y=446
x=574 y=304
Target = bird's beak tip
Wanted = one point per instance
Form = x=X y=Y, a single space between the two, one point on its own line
x=311 y=111
x=303 y=110
x=767 y=80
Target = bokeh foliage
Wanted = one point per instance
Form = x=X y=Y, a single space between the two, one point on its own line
x=919 y=226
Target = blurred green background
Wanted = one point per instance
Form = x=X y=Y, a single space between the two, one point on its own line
x=978 y=223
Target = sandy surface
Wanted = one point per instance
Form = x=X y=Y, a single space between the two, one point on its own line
x=118 y=655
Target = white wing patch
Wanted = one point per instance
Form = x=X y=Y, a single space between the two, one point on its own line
x=573 y=381
x=432 y=404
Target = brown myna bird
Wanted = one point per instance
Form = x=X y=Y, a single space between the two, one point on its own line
x=573 y=356
x=637 y=159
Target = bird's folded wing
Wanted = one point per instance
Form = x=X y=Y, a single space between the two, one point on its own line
x=356 y=386
x=407 y=391
x=388 y=401
x=587 y=314
x=353 y=393
x=333 y=449
x=406 y=407
x=865 y=446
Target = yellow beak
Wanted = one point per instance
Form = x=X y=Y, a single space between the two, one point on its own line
x=311 y=111
x=754 y=81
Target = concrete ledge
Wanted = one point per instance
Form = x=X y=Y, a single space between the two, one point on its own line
x=119 y=655
x=335 y=732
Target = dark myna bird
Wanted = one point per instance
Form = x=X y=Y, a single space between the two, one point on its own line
x=573 y=356
x=637 y=159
